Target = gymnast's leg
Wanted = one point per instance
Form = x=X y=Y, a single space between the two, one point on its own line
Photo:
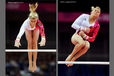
x=79 y=44
x=81 y=52
x=28 y=34
x=35 y=46
x=35 y=39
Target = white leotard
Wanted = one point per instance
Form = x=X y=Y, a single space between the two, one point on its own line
x=25 y=25
x=81 y=21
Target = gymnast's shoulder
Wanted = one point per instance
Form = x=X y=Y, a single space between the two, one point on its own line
x=84 y=15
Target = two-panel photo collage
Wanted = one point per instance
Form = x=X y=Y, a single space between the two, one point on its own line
x=57 y=38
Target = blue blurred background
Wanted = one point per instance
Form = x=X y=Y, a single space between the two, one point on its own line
x=17 y=64
x=83 y=70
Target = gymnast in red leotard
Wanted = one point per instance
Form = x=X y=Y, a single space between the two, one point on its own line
x=86 y=27
x=32 y=26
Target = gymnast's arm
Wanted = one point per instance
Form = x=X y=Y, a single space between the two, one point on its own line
x=41 y=29
x=92 y=38
x=42 y=33
x=22 y=30
x=77 y=23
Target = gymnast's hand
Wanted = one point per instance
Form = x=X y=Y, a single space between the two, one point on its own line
x=42 y=42
x=17 y=43
x=87 y=30
x=82 y=34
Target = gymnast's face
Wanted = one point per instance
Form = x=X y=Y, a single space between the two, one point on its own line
x=95 y=12
x=33 y=21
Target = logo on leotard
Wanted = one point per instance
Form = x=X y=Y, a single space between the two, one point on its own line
x=39 y=24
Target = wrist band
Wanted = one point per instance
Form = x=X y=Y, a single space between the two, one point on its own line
x=43 y=39
x=17 y=40
x=82 y=29
x=86 y=37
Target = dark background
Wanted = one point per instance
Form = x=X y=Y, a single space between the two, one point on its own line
x=99 y=50
x=16 y=15
x=82 y=5
x=83 y=70
x=32 y=1
x=17 y=64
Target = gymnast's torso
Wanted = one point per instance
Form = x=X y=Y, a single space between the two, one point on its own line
x=26 y=25
x=83 y=21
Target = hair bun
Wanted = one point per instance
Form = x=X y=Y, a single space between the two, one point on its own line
x=33 y=7
x=92 y=8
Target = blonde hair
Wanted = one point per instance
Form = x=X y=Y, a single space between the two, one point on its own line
x=33 y=15
x=92 y=8
x=32 y=9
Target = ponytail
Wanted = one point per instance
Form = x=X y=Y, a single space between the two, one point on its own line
x=33 y=7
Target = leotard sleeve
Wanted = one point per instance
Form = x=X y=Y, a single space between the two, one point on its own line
x=41 y=28
x=22 y=29
x=77 y=23
x=94 y=34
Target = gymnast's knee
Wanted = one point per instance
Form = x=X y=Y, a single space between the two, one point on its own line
x=34 y=42
x=87 y=45
x=29 y=42
x=81 y=43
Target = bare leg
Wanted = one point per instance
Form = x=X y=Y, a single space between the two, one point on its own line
x=81 y=52
x=75 y=50
x=28 y=34
x=79 y=44
x=30 y=60
x=35 y=39
x=34 y=61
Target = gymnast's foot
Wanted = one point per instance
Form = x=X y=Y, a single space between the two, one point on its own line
x=68 y=59
x=30 y=67
x=34 y=67
x=70 y=64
